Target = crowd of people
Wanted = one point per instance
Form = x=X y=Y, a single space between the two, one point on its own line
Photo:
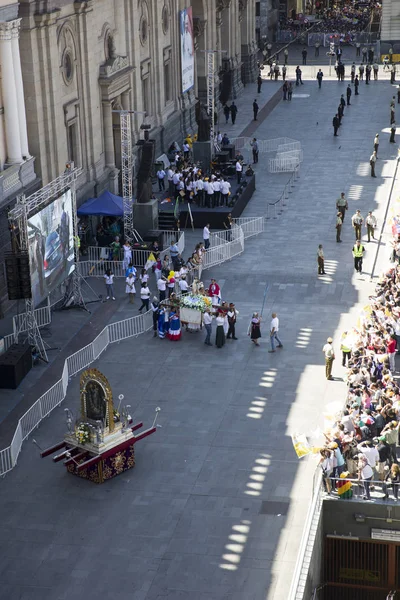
x=362 y=443
x=342 y=17
x=184 y=179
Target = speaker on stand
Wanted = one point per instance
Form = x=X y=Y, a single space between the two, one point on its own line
x=18 y=275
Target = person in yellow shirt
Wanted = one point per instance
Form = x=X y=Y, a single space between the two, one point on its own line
x=345 y=348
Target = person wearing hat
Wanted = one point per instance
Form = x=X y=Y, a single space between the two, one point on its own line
x=358 y=253
x=357 y=220
x=342 y=205
x=370 y=223
x=339 y=223
x=232 y=315
x=329 y=358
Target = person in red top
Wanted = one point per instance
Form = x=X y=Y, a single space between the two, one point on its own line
x=391 y=351
x=214 y=291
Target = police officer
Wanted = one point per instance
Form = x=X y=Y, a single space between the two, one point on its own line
x=335 y=123
x=358 y=252
x=342 y=205
x=357 y=221
x=348 y=94
x=339 y=222
x=372 y=161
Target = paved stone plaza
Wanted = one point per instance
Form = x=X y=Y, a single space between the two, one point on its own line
x=215 y=506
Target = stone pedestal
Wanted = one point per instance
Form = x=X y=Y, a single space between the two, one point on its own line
x=145 y=216
x=202 y=153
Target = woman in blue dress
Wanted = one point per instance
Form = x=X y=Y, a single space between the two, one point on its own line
x=174 y=332
x=161 y=322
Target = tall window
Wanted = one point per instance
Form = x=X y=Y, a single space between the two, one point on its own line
x=257 y=9
x=72 y=143
x=167 y=81
x=146 y=94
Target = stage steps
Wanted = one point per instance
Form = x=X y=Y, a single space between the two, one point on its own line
x=166 y=220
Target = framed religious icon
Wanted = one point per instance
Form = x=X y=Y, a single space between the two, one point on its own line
x=96 y=399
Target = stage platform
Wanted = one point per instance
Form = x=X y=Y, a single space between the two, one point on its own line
x=214 y=216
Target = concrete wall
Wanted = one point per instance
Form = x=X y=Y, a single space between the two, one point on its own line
x=338 y=517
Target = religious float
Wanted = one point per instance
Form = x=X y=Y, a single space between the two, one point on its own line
x=192 y=307
x=99 y=445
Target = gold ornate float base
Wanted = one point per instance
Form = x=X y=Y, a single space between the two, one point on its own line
x=106 y=468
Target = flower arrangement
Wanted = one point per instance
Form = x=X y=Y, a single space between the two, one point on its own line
x=196 y=302
x=82 y=433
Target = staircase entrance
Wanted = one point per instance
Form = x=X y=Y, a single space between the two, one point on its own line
x=360 y=570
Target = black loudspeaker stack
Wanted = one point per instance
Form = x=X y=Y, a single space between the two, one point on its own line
x=146 y=160
x=18 y=275
x=15 y=363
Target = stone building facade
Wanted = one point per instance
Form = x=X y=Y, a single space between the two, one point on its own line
x=82 y=60
x=17 y=174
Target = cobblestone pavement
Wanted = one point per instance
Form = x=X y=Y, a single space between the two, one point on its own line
x=215 y=506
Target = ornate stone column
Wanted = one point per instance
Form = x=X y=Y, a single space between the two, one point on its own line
x=13 y=138
x=108 y=134
x=20 y=88
x=3 y=149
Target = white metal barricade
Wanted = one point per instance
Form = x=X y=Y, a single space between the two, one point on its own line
x=52 y=398
x=31 y=419
x=81 y=359
x=6 y=462
x=283 y=165
x=251 y=225
x=65 y=378
x=90 y=268
x=100 y=343
x=16 y=445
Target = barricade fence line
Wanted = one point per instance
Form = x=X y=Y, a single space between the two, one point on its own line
x=242 y=229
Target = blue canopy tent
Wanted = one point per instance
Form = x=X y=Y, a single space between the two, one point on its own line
x=107 y=204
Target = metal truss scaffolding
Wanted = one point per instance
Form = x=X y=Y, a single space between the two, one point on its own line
x=19 y=214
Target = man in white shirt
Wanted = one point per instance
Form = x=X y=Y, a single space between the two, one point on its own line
x=186 y=151
x=210 y=194
x=370 y=223
x=162 y=286
x=200 y=191
x=239 y=170
x=206 y=236
x=170 y=175
x=225 y=189
x=183 y=285
x=175 y=179
x=273 y=333
x=370 y=452
x=329 y=357
x=160 y=177
x=207 y=320
x=217 y=192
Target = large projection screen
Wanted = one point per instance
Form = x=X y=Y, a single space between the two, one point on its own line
x=51 y=246
x=187 y=48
